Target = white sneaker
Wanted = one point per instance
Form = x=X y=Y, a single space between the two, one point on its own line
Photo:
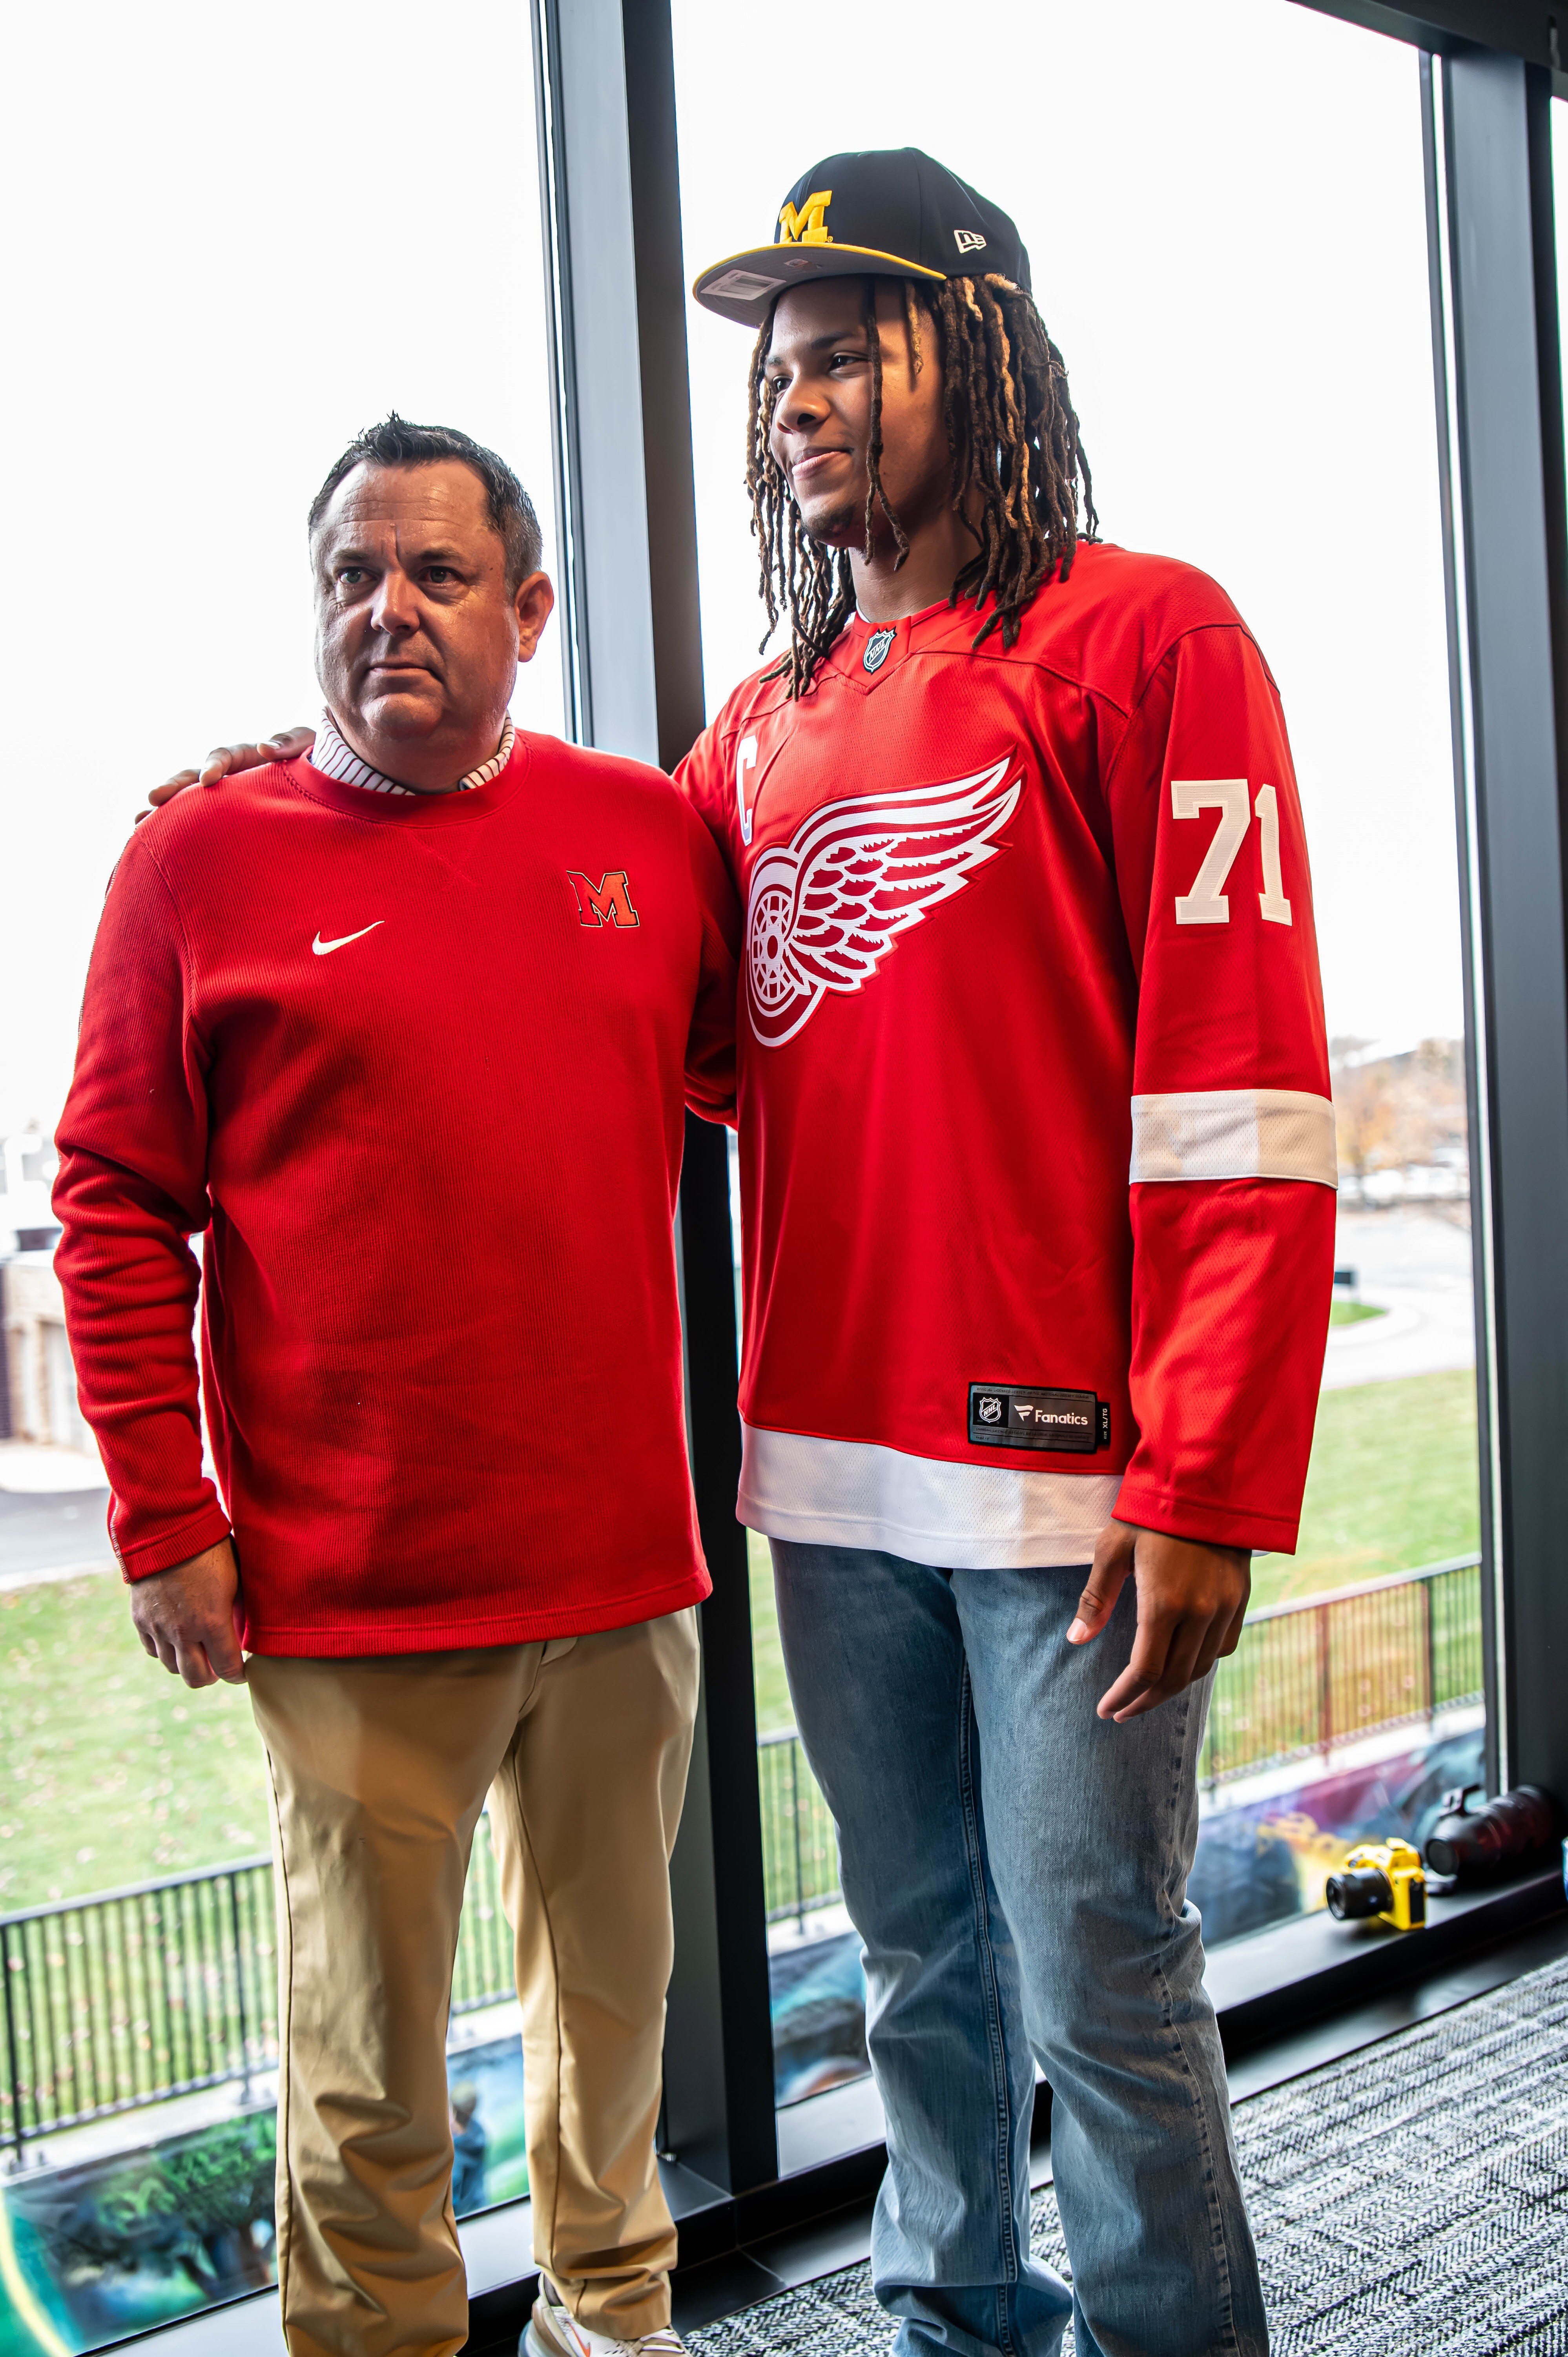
x=554 y=2331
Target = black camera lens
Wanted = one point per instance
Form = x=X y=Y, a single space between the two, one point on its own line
x=1471 y=1845
x=1359 y=1891
x=1449 y=1857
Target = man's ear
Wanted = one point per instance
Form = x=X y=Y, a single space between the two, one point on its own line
x=532 y=604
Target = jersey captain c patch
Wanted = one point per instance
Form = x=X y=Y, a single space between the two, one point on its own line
x=825 y=908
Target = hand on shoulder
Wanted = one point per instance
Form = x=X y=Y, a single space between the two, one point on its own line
x=225 y=760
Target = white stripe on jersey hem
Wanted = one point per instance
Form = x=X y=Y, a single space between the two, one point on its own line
x=856 y=1493
x=1234 y=1133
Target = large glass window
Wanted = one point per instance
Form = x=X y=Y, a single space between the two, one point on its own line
x=232 y=243
x=224 y=261
x=1223 y=206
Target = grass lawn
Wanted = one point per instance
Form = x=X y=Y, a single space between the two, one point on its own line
x=1393 y=1483
x=773 y=1706
x=1351 y=1313
x=113 y=1771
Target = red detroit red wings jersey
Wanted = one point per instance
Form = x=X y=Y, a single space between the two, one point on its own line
x=1037 y=1146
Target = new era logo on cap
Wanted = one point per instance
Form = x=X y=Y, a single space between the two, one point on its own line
x=889 y=212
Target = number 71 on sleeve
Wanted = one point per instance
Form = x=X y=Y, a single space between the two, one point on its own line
x=1208 y=903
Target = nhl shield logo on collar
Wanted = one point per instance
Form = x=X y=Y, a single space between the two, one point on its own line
x=878 y=647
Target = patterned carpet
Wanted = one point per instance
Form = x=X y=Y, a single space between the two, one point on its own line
x=1411 y=2201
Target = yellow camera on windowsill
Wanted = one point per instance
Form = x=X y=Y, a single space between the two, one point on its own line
x=1380 y=1879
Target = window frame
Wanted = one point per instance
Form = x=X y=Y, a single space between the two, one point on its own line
x=605 y=80
x=610 y=175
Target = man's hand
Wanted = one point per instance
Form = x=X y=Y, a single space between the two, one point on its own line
x=1192 y=1600
x=224 y=759
x=187 y=1617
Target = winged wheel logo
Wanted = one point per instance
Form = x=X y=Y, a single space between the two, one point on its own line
x=825 y=908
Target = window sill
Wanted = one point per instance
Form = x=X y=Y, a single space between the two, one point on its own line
x=1274 y=1981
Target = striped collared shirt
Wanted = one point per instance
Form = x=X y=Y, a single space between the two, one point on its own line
x=335 y=759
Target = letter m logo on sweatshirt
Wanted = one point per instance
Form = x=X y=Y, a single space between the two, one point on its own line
x=607 y=902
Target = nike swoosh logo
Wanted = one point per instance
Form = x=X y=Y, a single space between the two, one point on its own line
x=325 y=949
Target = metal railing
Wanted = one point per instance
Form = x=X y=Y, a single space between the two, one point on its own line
x=120 y=2000
x=1306 y=1678
x=799 y=1849
x=131 y=1997
x=1311 y=1676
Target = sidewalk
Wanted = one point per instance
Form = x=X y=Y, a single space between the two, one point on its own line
x=1415 y=1266
x=54 y=1507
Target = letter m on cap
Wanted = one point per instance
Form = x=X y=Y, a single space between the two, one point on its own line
x=607 y=902
x=807 y=227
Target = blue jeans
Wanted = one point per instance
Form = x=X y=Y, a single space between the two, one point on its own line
x=1017 y=1870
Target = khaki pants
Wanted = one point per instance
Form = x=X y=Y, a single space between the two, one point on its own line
x=378 y=1772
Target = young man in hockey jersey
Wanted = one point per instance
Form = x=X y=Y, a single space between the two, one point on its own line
x=1038 y=1171
x=1038 y=1174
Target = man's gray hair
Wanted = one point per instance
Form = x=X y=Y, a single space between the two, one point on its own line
x=396 y=443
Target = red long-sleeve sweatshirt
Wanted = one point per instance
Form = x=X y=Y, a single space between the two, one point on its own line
x=417 y=1066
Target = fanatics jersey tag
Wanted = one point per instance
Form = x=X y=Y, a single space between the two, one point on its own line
x=1017 y=1415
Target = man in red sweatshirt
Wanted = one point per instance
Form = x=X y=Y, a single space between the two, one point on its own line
x=407 y=1031
x=1037 y=1176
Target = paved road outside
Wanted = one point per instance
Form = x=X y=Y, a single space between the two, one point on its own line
x=54 y=1512
x=42 y=1536
x=1415 y=1264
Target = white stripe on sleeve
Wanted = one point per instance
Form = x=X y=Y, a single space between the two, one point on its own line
x=1234 y=1133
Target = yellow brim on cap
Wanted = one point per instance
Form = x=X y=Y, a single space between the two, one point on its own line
x=744 y=286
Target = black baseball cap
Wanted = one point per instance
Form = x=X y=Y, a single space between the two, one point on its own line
x=884 y=213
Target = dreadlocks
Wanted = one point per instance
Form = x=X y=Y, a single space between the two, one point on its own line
x=1017 y=464
x=874 y=495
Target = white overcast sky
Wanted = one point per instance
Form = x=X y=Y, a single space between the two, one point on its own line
x=235 y=238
